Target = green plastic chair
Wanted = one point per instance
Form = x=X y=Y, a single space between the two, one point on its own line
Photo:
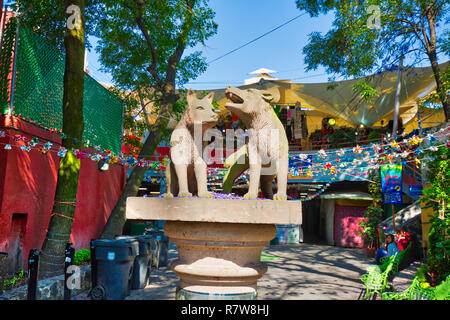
x=416 y=292
x=397 y=260
x=386 y=261
x=413 y=292
x=419 y=293
x=373 y=268
x=376 y=282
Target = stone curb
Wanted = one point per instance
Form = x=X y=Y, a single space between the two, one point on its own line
x=51 y=288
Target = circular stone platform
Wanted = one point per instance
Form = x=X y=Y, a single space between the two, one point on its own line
x=219 y=241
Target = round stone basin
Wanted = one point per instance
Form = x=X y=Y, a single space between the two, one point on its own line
x=219 y=241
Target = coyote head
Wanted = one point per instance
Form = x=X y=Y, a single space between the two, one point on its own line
x=200 y=111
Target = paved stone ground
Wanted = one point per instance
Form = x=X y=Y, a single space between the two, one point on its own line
x=313 y=272
x=405 y=277
x=302 y=272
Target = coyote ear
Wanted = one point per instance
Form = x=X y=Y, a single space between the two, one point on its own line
x=190 y=96
x=272 y=95
x=210 y=97
x=267 y=96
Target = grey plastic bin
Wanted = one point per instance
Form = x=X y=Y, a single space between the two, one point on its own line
x=114 y=261
x=161 y=256
x=143 y=261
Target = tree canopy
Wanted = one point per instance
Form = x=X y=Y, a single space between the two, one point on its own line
x=140 y=39
x=370 y=36
x=142 y=45
x=48 y=18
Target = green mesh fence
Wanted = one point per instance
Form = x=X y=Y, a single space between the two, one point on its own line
x=6 y=61
x=39 y=94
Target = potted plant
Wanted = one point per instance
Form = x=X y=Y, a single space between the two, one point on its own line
x=372 y=215
x=369 y=228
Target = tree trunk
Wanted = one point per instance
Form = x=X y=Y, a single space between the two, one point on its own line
x=117 y=219
x=61 y=221
x=443 y=96
x=431 y=50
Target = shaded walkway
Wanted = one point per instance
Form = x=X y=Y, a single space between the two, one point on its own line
x=318 y=272
x=300 y=272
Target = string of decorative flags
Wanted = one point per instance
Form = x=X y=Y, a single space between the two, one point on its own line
x=337 y=166
x=318 y=193
x=43 y=146
x=389 y=151
x=371 y=155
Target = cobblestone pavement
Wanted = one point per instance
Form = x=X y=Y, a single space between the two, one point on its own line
x=300 y=272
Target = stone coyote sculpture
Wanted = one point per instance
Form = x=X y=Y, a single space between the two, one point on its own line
x=267 y=153
x=186 y=173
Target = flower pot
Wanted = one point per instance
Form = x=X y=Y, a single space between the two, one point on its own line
x=370 y=252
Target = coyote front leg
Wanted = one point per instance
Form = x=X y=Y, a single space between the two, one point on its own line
x=181 y=170
x=282 y=172
x=200 y=174
x=169 y=181
x=255 y=172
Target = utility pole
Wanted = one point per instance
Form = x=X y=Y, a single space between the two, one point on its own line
x=396 y=112
x=397 y=98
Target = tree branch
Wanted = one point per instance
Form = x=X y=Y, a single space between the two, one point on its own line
x=174 y=59
x=431 y=17
x=140 y=24
x=143 y=105
x=31 y=7
x=415 y=28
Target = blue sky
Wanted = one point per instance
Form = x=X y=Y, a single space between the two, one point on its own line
x=240 y=21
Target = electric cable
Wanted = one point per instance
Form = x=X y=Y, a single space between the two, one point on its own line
x=257 y=38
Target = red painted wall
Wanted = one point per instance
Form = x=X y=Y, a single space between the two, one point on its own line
x=28 y=183
x=346 y=226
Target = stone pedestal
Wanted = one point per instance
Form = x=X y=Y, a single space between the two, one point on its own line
x=219 y=241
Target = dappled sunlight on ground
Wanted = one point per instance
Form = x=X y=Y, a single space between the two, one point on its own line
x=300 y=272
x=308 y=271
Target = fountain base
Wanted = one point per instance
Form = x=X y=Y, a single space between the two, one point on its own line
x=219 y=241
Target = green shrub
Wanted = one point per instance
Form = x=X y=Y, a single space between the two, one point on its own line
x=369 y=226
x=9 y=283
x=437 y=197
x=422 y=273
x=82 y=256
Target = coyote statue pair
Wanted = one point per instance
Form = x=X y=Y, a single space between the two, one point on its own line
x=265 y=155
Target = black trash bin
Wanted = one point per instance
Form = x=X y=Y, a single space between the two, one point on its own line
x=114 y=261
x=143 y=261
x=161 y=256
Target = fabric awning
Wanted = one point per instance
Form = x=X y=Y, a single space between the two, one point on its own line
x=339 y=100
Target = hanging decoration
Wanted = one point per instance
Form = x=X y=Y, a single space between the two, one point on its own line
x=330 y=164
x=318 y=193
